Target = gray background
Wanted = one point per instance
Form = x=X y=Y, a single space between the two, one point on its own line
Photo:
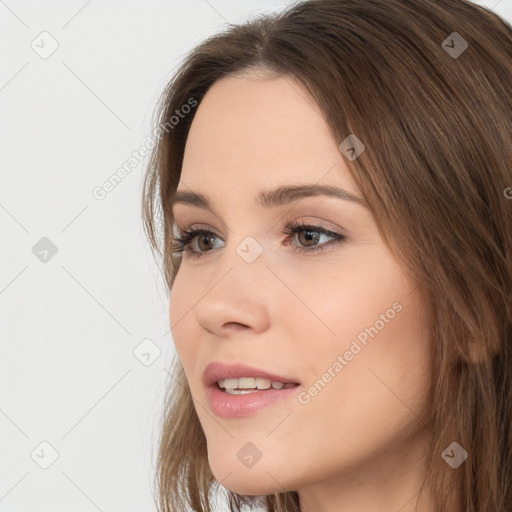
x=85 y=342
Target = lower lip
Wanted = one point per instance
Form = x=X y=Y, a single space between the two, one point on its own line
x=226 y=405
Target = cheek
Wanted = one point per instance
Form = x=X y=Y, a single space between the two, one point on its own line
x=384 y=376
x=380 y=332
x=365 y=299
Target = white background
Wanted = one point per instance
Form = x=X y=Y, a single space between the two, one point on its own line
x=69 y=326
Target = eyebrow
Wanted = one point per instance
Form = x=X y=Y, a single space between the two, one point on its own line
x=271 y=198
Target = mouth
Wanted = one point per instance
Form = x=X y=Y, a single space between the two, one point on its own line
x=242 y=377
x=238 y=390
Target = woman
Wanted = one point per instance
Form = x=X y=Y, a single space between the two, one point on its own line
x=337 y=242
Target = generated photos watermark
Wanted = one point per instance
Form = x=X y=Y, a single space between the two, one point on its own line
x=355 y=348
x=100 y=192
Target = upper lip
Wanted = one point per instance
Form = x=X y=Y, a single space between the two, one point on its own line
x=217 y=370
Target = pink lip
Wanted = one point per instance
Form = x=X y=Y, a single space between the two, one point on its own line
x=226 y=405
x=217 y=370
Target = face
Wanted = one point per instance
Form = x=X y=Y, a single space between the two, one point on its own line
x=327 y=306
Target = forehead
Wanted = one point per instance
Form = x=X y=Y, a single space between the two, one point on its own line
x=254 y=132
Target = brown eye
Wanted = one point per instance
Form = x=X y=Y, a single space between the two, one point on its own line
x=205 y=242
x=186 y=242
x=308 y=237
x=311 y=237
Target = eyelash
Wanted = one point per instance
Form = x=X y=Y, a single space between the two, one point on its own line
x=182 y=241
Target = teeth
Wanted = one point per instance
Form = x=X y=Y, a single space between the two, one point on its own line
x=246 y=384
x=240 y=391
x=263 y=383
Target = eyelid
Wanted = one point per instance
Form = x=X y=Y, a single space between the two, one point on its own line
x=198 y=227
x=318 y=223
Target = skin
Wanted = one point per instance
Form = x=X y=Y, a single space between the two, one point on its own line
x=359 y=442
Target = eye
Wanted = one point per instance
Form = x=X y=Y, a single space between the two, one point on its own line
x=184 y=241
x=199 y=241
x=312 y=234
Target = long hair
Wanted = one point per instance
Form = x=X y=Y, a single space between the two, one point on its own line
x=426 y=85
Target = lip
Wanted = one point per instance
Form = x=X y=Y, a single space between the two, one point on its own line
x=217 y=370
x=226 y=405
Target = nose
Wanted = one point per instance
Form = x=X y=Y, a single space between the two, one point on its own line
x=237 y=297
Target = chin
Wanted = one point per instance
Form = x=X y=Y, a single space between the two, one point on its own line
x=249 y=487
x=255 y=481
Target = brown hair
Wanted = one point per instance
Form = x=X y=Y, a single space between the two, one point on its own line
x=437 y=127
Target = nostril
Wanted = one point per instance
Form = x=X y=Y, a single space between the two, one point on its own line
x=235 y=326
